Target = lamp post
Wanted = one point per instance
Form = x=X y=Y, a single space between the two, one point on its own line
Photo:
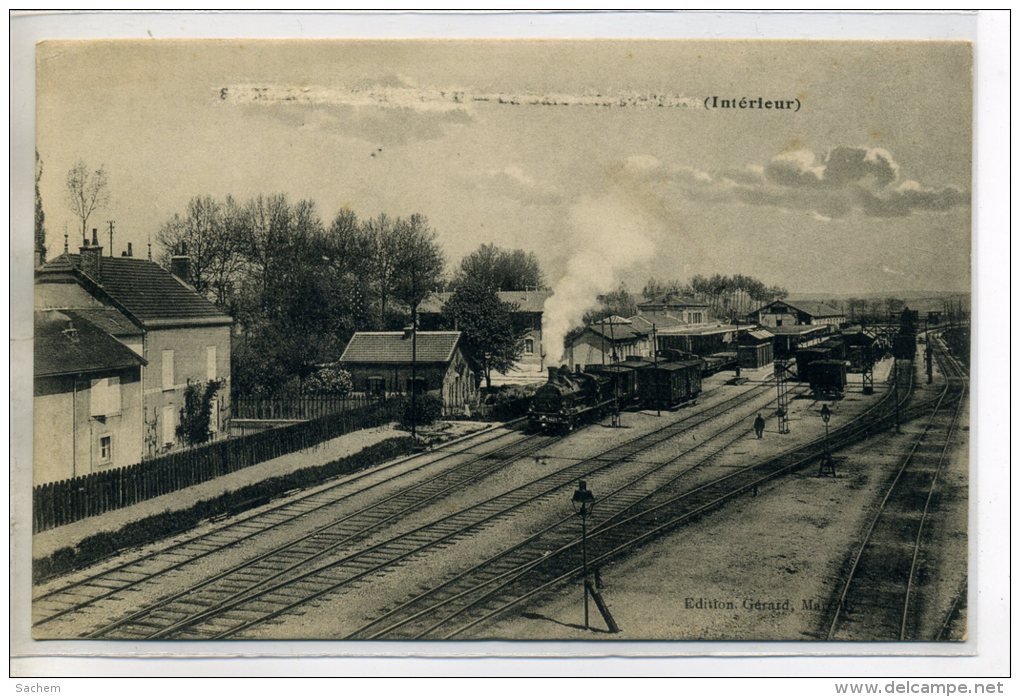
x=655 y=361
x=583 y=502
x=827 y=461
x=896 y=391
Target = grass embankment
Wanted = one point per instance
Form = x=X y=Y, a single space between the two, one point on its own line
x=97 y=547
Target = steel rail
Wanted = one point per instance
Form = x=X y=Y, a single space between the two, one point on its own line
x=852 y=574
x=658 y=528
x=927 y=505
x=175 y=548
x=554 y=480
x=526 y=544
x=319 y=550
x=523 y=567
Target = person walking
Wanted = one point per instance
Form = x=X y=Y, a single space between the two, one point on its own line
x=759 y=426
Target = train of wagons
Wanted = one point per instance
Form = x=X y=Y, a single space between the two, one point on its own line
x=567 y=399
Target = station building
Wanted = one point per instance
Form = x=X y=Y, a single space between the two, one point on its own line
x=780 y=313
x=607 y=341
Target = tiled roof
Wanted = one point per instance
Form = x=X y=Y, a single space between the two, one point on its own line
x=674 y=299
x=809 y=307
x=146 y=290
x=646 y=318
x=392 y=347
x=616 y=332
x=109 y=319
x=66 y=346
x=526 y=300
x=759 y=334
x=700 y=330
x=801 y=329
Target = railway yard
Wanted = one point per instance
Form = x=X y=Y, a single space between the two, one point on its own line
x=699 y=530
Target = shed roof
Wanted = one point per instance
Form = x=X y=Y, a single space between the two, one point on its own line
x=66 y=346
x=146 y=290
x=808 y=307
x=393 y=347
x=616 y=332
x=674 y=298
x=758 y=334
x=700 y=330
x=801 y=329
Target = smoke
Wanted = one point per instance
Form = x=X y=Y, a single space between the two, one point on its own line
x=608 y=236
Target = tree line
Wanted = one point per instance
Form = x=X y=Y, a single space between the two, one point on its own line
x=299 y=288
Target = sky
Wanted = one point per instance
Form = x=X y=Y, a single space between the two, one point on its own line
x=598 y=156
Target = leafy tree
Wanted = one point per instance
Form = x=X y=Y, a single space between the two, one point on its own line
x=86 y=191
x=492 y=338
x=211 y=234
x=405 y=262
x=501 y=269
x=196 y=414
x=40 y=216
x=618 y=302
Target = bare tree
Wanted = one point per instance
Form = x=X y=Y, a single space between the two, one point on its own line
x=86 y=191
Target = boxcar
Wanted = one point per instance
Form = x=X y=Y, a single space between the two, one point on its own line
x=669 y=384
x=837 y=348
x=827 y=378
x=904 y=346
x=806 y=357
x=622 y=382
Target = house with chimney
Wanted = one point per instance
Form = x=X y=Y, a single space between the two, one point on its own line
x=87 y=396
x=181 y=338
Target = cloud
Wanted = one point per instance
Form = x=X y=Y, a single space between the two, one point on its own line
x=513 y=182
x=846 y=180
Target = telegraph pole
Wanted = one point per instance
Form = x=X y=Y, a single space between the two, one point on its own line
x=655 y=361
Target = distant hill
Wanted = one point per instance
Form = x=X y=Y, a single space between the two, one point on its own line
x=922 y=301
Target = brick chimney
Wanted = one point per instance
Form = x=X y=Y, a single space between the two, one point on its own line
x=180 y=264
x=128 y=252
x=91 y=257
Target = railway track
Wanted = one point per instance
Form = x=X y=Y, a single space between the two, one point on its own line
x=554 y=556
x=253 y=594
x=81 y=593
x=877 y=601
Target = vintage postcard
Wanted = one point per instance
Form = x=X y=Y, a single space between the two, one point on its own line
x=568 y=340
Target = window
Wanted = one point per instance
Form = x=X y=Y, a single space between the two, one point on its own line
x=210 y=362
x=168 y=369
x=214 y=413
x=106 y=449
x=104 y=397
x=169 y=425
x=529 y=346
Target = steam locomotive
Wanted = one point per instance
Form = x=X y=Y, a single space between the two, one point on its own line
x=568 y=399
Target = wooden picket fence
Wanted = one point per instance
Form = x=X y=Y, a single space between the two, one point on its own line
x=297 y=408
x=70 y=500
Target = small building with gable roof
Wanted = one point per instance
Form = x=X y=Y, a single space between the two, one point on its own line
x=381 y=362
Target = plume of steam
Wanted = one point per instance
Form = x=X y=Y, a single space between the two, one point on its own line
x=608 y=236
